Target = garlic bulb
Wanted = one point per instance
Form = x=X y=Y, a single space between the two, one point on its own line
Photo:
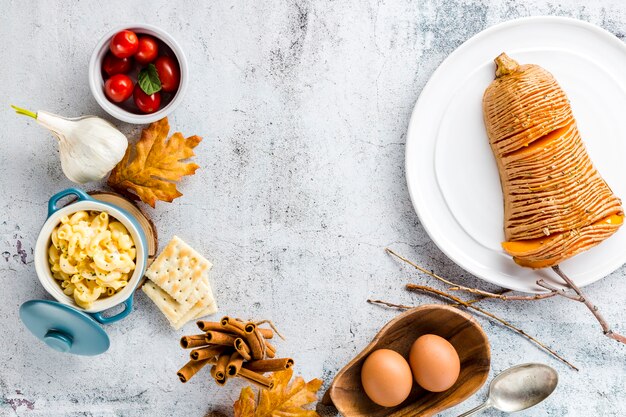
x=89 y=146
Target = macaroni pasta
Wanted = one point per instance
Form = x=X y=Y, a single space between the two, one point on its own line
x=92 y=255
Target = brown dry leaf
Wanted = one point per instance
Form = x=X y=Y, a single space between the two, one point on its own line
x=283 y=400
x=156 y=166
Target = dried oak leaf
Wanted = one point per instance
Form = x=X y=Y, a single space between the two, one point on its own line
x=156 y=165
x=283 y=400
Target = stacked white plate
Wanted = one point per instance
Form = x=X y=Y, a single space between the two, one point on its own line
x=451 y=172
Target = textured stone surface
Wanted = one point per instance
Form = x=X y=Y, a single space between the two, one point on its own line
x=303 y=107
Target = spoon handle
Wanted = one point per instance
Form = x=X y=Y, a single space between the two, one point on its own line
x=478 y=409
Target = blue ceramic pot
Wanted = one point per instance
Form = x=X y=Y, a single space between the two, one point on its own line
x=64 y=325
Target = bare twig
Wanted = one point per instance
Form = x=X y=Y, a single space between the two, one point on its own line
x=593 y=308
x=405 y=307
x=560 y=291
x=422 y=288
x=482 y=297
x=386 y=304
x=487 y=294
x=577 y=295
x=458 y=287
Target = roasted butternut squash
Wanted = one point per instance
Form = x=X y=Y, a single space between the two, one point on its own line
x=556 y=204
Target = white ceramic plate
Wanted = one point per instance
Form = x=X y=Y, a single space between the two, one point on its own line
x=452 y=174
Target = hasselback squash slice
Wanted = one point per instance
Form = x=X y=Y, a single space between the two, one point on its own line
x=556 y=204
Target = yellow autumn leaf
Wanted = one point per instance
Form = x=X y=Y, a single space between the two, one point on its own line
x=284 y=400
x=156 y=165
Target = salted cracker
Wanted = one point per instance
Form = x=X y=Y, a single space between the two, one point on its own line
x=205 y=306
x=171 y=309
x=178 y=270
x=207 y=311
x=194 y=313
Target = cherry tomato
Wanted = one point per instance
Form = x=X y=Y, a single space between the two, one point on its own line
x=169 y=73
x=124 y=44
x=118 y=88
x=113 y=65
x=146 y=103
x=148 y=50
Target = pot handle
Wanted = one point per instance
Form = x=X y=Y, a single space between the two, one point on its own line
x=52 y=203
x=128 y=307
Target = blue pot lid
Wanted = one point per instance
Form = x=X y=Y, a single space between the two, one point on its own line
x=64 y=328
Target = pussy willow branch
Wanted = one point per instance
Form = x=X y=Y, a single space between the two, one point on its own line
x=392 y=305
x=423 y=288
x=560 y=291
x=405 y=307
x=593 y=308
x=458 y=287
x=578 y=296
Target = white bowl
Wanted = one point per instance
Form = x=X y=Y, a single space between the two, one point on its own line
x=53 y=286
x=96 y=81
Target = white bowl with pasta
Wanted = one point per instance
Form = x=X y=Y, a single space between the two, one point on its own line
x=90 y=255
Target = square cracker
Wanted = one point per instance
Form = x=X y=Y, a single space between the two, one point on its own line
x=178 y=270
x=204 y=306
x=171 y=309
x=207 y=311
x=195 y=313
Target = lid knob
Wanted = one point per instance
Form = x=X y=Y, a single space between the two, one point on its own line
x=59 y=341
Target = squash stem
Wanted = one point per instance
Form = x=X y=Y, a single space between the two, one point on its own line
x=24 y=112
x=505 y=65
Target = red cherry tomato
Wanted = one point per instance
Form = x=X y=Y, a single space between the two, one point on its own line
x=169 y=73
x=146 y=103
x=124 y=44
x=148 y=50
x=118 y=88
x=113 y=65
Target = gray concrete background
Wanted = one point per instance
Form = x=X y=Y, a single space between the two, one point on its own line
x=303 y=107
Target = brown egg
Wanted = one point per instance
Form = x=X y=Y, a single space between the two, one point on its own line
x=386 y=377
x=434 y=362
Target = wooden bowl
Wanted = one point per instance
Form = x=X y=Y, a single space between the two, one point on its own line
x=459 y=328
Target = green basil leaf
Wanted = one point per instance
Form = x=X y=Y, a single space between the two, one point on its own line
x=148 y=80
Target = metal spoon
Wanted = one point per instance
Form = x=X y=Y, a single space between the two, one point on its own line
x=519 y=388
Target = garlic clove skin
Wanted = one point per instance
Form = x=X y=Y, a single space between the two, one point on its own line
x=89 y=146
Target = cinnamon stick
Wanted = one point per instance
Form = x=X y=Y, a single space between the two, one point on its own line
x=220 y=366
x=232 y=326
x=255 y=341
x=269 y=365
x=217 y=381
x=207 y=326
x=191 y=368
x=256 y=378
x=190 y=342
x=242 y=348
x=266 y=333
x=270 y=350
x=206 y=352
x=219 y=338
x=234 y=364
x=229 y=320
